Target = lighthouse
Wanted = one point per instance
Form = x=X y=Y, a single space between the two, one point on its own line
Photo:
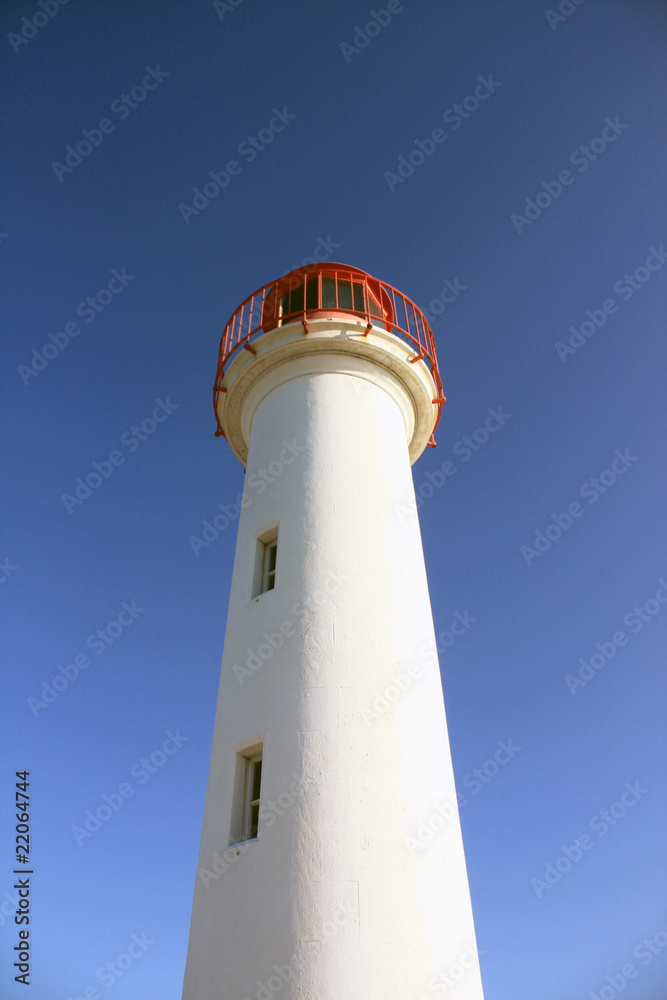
x=331 y=864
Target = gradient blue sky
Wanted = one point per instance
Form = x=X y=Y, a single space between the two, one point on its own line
x=67 y=574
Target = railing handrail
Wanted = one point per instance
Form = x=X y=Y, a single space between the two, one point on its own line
x=304 y=292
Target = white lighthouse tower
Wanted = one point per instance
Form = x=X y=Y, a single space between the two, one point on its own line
x=331 y=864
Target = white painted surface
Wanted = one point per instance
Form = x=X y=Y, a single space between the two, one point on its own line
x=330 y=894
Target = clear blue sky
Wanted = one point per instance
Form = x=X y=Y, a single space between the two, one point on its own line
x=521 y=284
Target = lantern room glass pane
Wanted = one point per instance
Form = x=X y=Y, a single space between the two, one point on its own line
x=358 y=297
x=296 y=304
x=344 y=295
x=328 y=293
x=373 y=307
x=311 y=292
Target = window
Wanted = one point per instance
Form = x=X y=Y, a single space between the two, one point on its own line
x=253 y=780
x=266 y=552
x=307 y=290
x=350 y=296
x=269 y=565
x=292 y=301
x=247 y=789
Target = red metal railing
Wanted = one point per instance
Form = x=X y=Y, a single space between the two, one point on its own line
x=319 y=290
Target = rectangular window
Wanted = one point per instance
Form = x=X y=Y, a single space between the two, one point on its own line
x=265 y=561
x=252 y=786
x=269 y=566
x=247 y=791
x=328 y=293
x=373 y=306
x=312 y=294
x=296 y=300
x=344 y=294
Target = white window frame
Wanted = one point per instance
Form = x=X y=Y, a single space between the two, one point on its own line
x=246 y=756
x=264 y=575
x=268 y=581
x=249 y=804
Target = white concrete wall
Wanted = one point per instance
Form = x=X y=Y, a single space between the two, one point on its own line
x=330 y=894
